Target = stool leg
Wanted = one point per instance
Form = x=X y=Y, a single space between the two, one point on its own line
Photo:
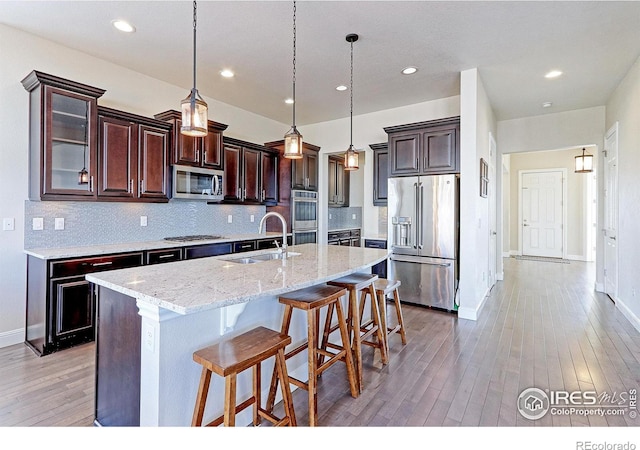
x=286 y=323
x=287 y=399
x=327 y=332
x=230 y=400
x=312 y=337
x=380 y=332
x=382 y=308
x=344 y=334
x=203 y=390
x=354 y=330
x=396 y=300
x=257 y=394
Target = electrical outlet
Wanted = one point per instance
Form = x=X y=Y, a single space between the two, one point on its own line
x=8 y=224
x=252 y=218
x=38 y=223
x=329 y=216
x=143 y=221
x=59 y=223
x=229 y=218
x=149 y=336
x=353 y=216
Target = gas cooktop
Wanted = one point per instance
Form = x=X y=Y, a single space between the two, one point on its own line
x=193 y=237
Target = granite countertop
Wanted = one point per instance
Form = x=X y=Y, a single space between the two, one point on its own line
x=106 y=249
x=196 y=285
x=344 y=229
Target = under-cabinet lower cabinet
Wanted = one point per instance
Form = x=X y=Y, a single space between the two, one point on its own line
x=379 y=269
x=73 y=310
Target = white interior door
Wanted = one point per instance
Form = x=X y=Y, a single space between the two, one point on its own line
x=611 y=213
x=542 y=213
x=491 y=193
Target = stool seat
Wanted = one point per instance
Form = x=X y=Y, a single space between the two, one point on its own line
x=311 y=300
x=386 y=286
x=356 y=281
x=231 y=356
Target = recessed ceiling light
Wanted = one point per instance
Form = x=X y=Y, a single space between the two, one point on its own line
x=342 y=87
x=289 y=101
x=227 y=73
x=124 y=26
x=547 y=104
x=409 y=70
x=553 y=74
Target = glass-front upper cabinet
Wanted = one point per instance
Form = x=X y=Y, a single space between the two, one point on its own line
x=63 y=137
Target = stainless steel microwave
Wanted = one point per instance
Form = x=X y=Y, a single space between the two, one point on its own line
x=197 y=183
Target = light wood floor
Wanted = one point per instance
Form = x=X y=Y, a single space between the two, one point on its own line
x=544 y=326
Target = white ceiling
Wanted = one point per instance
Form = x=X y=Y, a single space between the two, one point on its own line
x=513 y=44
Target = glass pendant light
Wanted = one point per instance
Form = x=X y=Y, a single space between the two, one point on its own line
x=584 y=162
x=83 y=175
x=351 y=156
x=194 y=109
x=293 y=139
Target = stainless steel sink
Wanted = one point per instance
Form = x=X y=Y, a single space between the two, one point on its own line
x=261 y=257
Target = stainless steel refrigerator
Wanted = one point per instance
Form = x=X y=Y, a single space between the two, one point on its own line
x=423 y=224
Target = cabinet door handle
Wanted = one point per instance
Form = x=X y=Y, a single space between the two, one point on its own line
x=131 y=186
x=141 y=186
x=239 y=193
x=204 y=156
x=417 y=163
x=91 y=183
x=245 y=194
x=264 y=194
x=106 y=263
x=166 y=256
x=197 y=155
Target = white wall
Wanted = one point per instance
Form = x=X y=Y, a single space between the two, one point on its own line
x=20 y=53
x=578 y=128
x=477 y=120
x=624 y=107
x=333 y=136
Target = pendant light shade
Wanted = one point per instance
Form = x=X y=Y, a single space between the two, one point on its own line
x=293 y=139
x=194 y=109
x=584 y=162
x=351 y=156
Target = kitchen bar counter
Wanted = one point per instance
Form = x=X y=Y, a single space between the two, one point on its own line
x=152 y=318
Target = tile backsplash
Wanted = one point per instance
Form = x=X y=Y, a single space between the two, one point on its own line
x=90 y=223
x=340 y=218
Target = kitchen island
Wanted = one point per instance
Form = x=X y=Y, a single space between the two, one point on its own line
x=152 y=318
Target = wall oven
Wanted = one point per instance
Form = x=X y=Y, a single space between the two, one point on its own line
x=304 y=216
x=197 y=183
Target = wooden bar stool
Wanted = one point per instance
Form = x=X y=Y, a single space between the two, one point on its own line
x=384 y=287
x=311 y=300
x=230 y=357
x=361 y=333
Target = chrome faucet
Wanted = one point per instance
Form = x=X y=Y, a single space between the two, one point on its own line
x=284 y=230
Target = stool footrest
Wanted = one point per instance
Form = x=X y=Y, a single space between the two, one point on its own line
x=296 y=350
x=244 y=405
x=276 y=421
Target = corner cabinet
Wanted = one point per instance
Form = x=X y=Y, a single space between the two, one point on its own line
x=133 y=157
x=338 y=186
x=62 y=137
x=424 y=148
x=299 y=174
x=207 y=151
x=380 y=173
x=250 y=173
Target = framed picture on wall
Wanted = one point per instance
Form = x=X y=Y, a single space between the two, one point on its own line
x=484 y=178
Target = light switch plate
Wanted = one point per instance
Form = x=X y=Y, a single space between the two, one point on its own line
x=230 y=218
x=353 y=216
x=38 y=223
x=252 y=218
x=8 y=224
x=143 y=221
x=59 y=223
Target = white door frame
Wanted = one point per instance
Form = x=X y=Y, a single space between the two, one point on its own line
x=493 y=222
x=611 y=131
x=564 y=206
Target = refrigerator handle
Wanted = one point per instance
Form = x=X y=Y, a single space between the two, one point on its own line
x=416 y=213
x=421 y=203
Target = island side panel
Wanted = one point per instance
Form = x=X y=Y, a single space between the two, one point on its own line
x=118 y=335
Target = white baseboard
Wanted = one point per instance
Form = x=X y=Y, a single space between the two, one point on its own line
x=576 y=258
x=624 y=309
x=506 y=254
x=500 y=276
x=598 y=287
x=473 y=313
x=12 y=337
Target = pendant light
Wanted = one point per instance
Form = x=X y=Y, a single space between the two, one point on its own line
x=584 y=162
x=351 y=156
x=293 y=139
x=83 y=175
x=194 y=109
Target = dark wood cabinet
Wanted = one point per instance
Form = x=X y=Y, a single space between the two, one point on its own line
x=62 y=136
x=430 y=147
x=250 y=173
x=349 y=238
x=61 y=303
x=205 y=250
x=204 y=151
x=299 y=174
x=380 y=173
x=133 y=157
x=338 y=182
x=379 y=269
x=163 y=256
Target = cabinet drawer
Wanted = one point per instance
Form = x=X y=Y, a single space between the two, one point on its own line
x=163 y=256
x=263 y=244
x=355 y=233
x=202 y=251
x=82 y=266
x=244 y=246
x=375 y=243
